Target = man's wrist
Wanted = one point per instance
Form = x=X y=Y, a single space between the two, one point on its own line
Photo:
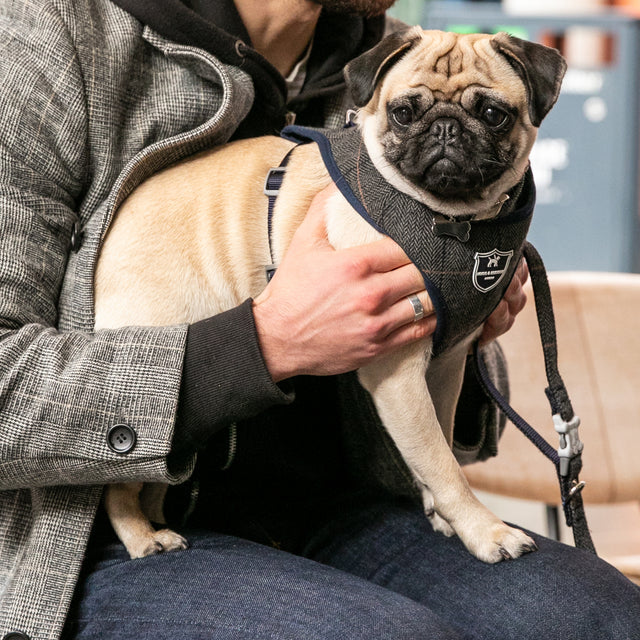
x=224 y=377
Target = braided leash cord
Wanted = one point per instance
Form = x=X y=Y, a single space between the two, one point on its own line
x=568 y=466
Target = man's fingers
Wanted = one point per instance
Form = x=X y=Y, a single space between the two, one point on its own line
x=410 y=332
x=401 y=283
x=504 y=315
x=401 y=313
x=523 y=271
x=381 y=255
x=515 y=296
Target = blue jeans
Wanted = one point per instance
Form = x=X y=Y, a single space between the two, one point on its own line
x=377 y=572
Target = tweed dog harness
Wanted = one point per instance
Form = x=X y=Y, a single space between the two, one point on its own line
x=466 y=266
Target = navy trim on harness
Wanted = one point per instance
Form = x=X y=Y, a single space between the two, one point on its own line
x=491 y=390
x=303 y=135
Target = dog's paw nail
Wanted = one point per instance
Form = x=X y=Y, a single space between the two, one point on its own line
x=528 y=548
x=153 y=549
x=505 y=554
x=170 y=540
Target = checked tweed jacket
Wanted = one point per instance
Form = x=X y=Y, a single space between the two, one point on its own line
x=91 y=103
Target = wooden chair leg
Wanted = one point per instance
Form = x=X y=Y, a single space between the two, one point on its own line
x=553 y=521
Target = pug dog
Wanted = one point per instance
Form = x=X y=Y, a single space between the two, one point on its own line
x=448 y=120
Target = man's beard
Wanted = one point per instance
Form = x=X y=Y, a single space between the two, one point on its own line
x=365 y=8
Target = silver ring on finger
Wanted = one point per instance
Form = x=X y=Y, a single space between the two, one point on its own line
x=416 y=305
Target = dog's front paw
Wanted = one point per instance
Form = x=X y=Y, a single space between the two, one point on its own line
x=158 y=542
x=500 y=542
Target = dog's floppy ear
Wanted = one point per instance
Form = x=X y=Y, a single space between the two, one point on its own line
x=364 y=72
x=541 y=69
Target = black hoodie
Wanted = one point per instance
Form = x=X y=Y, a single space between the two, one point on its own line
x=215 y=25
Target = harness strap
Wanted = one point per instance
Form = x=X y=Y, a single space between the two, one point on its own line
x=272 y=185
x=568 y=458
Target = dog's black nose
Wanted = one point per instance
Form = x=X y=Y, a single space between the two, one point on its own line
x=445 y=130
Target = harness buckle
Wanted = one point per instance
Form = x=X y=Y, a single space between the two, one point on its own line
x=270 y=271
x=570 y=444
x=273 y=181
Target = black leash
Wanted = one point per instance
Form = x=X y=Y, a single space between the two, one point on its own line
x=568 y=458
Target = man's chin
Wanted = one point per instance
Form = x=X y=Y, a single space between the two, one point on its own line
x=363 y=8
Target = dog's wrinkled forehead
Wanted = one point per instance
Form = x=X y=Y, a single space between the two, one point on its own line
x=450 y=64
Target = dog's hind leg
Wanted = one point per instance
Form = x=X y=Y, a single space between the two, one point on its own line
x=132 y=526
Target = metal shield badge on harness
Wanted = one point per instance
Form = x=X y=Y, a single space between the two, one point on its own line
x=489 y=269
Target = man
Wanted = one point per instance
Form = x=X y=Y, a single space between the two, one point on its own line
x=285 y=543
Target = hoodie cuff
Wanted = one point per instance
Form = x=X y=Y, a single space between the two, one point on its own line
x=224 y=378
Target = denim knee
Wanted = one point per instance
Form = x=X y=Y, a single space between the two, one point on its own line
x=230 y=589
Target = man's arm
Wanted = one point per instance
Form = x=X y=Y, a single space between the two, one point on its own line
x=62 y=392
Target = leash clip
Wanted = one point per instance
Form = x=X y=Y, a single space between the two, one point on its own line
x=570 y=444
x=576 y=488
x=273 y=181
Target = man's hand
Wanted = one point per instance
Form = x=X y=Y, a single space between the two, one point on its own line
x=327 y=312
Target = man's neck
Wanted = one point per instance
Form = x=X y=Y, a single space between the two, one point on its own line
x=280 y=30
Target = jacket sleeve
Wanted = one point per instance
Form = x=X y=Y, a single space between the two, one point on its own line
x=479 y=423
x=61 y=393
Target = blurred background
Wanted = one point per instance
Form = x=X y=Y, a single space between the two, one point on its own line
x=586 y=227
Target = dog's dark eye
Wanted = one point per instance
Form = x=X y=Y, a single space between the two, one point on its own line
x=494 y=116
x=403 y=116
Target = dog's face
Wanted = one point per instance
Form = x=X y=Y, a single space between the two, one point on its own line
x=450 y=119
